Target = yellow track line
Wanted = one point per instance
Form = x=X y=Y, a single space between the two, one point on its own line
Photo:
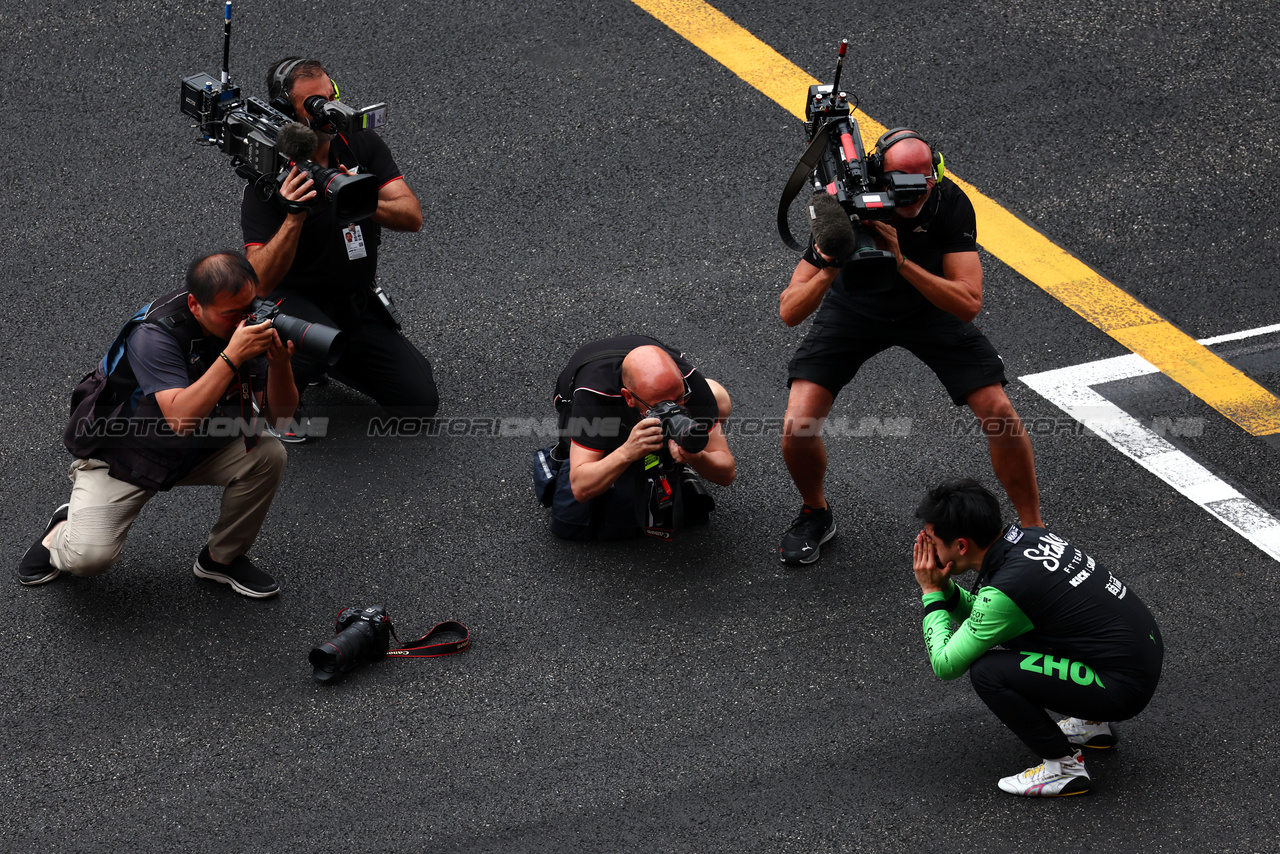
x=1004 y=235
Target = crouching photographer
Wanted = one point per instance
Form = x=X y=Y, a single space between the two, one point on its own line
x=638 y=425
x=176 y=402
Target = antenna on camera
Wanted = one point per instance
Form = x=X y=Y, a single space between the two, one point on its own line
x=835 y=84
x=226 y=47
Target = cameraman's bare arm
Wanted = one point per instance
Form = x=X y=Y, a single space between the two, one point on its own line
x=274 y=258
x=957 y=291
x=809 y=284
x=591 y=473
x=398 y=207
x=714 y=462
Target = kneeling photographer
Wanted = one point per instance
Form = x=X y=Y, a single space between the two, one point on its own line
x=322 y=266
x=175 y=402
x=637 y=422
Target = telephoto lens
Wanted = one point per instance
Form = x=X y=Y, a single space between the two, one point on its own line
x=316 y=340
x=361 y=635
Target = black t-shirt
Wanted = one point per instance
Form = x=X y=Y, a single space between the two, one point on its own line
x=601 y=420
x=322 y=269
x=946 y=224
x=1076 y=605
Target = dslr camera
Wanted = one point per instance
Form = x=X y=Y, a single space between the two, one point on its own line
x=679 y=426
x=264 y=142
x=320 y=342
x=836 y=162
x=665 y=477
x=360 y=635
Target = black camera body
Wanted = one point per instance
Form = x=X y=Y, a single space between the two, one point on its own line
x=249 y=131
x=837 y=163
x=320 y=342
x=336 y=117
x=360 y=635
x=679 y=426
x=857 y=182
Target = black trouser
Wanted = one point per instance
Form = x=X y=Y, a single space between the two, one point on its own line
x=1019 y=684
x=379 y=361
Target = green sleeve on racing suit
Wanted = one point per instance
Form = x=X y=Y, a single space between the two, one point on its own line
x=986 y=619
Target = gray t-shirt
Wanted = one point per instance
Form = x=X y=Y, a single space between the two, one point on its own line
x=159 y=364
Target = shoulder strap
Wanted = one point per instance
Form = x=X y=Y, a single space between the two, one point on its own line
x=423 y=648
x=800 y=177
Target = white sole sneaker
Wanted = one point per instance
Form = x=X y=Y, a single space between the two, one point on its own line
x=1053 y=778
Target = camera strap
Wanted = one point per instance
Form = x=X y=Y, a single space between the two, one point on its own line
x=424 y=648
x=800 y=177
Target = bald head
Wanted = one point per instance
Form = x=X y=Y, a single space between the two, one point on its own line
x=911 y=156
x=651 y=374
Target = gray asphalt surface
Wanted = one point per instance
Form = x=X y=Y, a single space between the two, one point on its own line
x=585 y=172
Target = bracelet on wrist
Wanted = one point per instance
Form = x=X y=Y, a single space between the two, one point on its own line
x=230 y=364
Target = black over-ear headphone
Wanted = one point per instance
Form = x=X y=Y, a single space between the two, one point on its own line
x=278 y=88
x=895 y=135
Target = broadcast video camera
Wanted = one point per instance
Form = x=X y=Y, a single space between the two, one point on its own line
x=264 y=143
x=836 y=162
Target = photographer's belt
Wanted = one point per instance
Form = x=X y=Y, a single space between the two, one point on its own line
x=423 y=648
x=800 y=177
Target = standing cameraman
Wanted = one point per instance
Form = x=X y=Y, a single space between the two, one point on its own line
x=141 y=423
x=927 y=306
x=326 y=273
x=617 y=473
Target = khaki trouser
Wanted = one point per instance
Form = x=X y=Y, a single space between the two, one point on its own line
x=103 y=508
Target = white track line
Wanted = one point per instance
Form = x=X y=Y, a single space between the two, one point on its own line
x=1071 y=390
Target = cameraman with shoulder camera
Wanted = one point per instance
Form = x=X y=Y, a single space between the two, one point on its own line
x=633 y=415
x=173 y=403
x=926 y=305
x=1046 y=627
x=325 y=272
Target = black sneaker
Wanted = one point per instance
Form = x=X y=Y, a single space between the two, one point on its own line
x=287 y=436
x=244 y=577
x=802 y=544
x=35 y=567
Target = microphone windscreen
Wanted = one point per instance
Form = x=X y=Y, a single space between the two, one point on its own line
x=297 y=141
x=832 y=230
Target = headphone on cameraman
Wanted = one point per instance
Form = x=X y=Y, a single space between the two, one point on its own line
x=891 y=138
x=279 y=90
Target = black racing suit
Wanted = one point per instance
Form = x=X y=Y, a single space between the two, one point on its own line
x=1075 y=638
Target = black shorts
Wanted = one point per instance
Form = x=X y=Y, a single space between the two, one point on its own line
x=841 y=340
